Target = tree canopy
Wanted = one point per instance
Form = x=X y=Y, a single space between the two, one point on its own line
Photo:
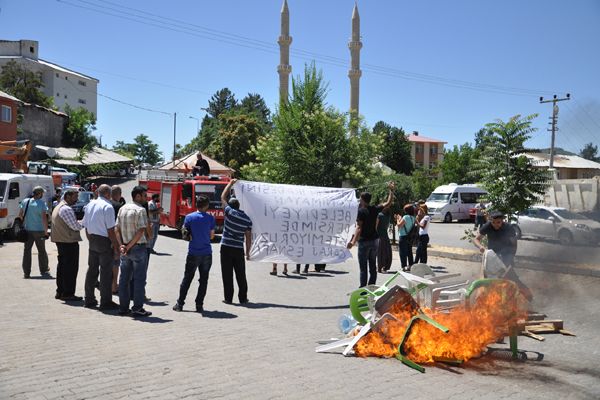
x=590 y=152
x=80 y=125
x=309 y=144
x=395 y=150
x=143 y=150
x=24 y=84
x=510 y=177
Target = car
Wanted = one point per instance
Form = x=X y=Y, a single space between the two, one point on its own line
x=557 y=223
x=83 y=200
x=453 y=202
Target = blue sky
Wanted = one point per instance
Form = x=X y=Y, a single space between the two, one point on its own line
x=523 y=49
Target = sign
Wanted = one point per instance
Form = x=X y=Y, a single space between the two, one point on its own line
x=298 y=224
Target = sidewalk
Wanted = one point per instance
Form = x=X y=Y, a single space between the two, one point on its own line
x=521 y=262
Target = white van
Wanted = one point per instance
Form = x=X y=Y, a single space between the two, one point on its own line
x=13 y=189
x=453 y=202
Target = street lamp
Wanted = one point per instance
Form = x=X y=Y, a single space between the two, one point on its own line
x=197 y=123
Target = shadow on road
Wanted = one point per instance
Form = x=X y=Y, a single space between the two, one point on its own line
x=218 y=314
x=291 y=307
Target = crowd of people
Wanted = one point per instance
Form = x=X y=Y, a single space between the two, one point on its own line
x=122 y=236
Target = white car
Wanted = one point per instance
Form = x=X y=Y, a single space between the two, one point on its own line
x=557 y=223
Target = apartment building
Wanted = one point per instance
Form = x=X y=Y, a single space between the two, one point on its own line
x=64 y=85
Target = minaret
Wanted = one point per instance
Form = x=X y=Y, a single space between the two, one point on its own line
x=354 y=74
x=284 y=68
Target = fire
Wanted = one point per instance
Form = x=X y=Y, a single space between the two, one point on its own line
x=471 y=327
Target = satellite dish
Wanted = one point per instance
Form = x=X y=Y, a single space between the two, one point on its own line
x=51 y=152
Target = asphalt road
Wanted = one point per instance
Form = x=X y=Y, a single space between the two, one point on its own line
x=450 y=235
x=266 y=350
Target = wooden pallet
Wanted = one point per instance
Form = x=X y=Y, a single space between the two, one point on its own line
x=536 y=324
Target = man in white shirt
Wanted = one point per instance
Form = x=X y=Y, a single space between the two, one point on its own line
x=99 y=223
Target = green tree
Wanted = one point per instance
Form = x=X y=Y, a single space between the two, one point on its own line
x=237 y=133
x=223 y=100
x=590 y=152
x=146 y=151
x=482 y=137
x=457 y=165
x=24 y=84
x=125 y=149
x=254 y=103
x=79 y=128
x=510 y=177
x=395 y=152
x=309 y=144
x=424 y=181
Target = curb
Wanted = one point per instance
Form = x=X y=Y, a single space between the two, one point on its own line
x=522 y=262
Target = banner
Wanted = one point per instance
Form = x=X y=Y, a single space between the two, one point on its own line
x=298 y=224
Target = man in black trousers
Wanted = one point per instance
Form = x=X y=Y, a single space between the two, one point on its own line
x=65 y=233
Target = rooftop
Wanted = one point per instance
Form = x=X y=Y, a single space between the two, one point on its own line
x=423 y=139
x=52 y=65
x=98 y=155
x=563 y=161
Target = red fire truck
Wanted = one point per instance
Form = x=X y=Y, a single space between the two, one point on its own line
x=178 y=193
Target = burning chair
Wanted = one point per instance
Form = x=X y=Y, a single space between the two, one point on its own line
x=424 y=319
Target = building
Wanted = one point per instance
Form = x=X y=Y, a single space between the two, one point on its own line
x=8 y=117
x=567 y=166
x=65 y=86
x=426 y=152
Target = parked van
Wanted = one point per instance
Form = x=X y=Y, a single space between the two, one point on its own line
x=452 y=202
x=13 y=189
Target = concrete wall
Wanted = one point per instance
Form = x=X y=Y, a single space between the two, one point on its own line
x=578 y=195
x=42 y=126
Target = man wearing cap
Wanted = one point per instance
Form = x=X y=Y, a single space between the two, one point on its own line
x=503 y=241
x=99 y=222
x=35 y=212
x=65 y=233
x=237 y=228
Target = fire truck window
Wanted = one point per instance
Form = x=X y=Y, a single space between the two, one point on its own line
x=187 y=191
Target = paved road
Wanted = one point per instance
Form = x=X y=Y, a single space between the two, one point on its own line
x=51 y=350
x=451 y=234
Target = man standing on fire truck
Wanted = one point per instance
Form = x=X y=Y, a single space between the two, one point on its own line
x=236 y=227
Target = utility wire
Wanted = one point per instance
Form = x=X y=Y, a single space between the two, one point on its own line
x=155 y=20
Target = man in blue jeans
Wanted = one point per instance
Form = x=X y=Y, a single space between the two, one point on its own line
x=132 y=221
x=366 y=235
x=201 y=227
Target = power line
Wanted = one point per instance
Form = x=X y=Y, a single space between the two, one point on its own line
x=158 y=21
x=588 y=114
x=81 y=89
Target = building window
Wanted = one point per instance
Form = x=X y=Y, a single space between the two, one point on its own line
x=6 y=115
x=57 y=94
x=31 y=49
x=81 y=101
x=66 y=78
x=57 y=75
x=433 y=150
x=65 y=96
x=82 y=83
x=418 y=148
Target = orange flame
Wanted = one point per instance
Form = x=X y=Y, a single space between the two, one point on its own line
x=471 y=328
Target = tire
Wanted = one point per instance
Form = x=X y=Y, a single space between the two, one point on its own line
x=565 y=237
x=16 y=228
x=448 y=218
x=518 y=232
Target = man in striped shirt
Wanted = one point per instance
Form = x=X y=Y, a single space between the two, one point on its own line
x=237 y=228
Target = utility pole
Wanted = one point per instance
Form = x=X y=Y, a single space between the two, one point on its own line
x=554 y=119
x=174 y=135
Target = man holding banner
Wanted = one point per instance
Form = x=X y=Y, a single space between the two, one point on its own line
x=366 y=235
x=237 y=228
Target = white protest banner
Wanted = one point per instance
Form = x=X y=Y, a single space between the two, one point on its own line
x=298 y=224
